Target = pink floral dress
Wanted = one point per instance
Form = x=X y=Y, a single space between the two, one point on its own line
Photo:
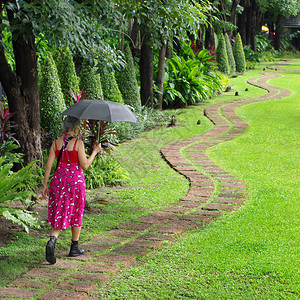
x=67 y=192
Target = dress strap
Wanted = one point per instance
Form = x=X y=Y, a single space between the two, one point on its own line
x=75 y=144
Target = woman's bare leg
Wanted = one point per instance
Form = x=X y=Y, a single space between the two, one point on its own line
x=54 y=232
x=76 y=233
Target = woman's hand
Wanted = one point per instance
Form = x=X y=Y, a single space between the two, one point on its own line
x=45 y=192
x=97 y=148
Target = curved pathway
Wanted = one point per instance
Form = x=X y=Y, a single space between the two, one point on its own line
x=212 y=192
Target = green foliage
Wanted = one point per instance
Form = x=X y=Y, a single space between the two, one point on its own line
x=127 y=81
x=262 y=43
x=269 y=56
x=110 y=87
x=239 y=55
x=230 y=56
x=189 y=78
x=223 y=79
x=162 y=20
x=222 y=57
x=11 y=190
x=250 y=55
x=52 y=102
x=105 y=172
x=67 y=73
x=8 y=150
x=147 y=117
x=90 y=81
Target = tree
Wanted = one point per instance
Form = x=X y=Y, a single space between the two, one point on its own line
x=127 y=81
x=90 y=81
x=231 y=60
x=67 y=73
x=21 y=84
x=276 y=10
x=77 y=23
x=222 y=57
x=239 y=54
x=153 y=23
x=52 y=102
x=110 y=87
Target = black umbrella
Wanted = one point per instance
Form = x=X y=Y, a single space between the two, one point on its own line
x=101 y=110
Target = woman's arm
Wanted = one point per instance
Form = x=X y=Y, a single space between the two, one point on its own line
x=49 y=164
x=83 y=161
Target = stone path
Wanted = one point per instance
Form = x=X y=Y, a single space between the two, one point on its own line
x=212 y=192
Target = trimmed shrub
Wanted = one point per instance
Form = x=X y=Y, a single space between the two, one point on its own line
x=127 y=82
x=52 y=102
x=239 y=54
x=110 y=87
x=230 y=56
x=222 y=58
x=67 y=73
x=90 y=80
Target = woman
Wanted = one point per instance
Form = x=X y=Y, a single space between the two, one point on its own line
x=67 y=187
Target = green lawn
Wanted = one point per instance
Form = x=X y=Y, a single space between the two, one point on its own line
x=251 y=253
x=254 y=252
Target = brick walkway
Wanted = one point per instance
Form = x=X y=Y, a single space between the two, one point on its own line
x=212 y=192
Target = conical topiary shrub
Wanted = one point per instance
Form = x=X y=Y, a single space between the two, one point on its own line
x=90 y=80
x=110 y=87
x=239 y=54
x=52 y=102
x=127 y=82
x=67 y=73
x=222 y=58
x=230 y=56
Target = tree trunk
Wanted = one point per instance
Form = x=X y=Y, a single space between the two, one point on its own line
x=21 y=88
x=278 y=32
x=234 y=5
x=242 y=21
x=199 y=41
x=252 y=29
x=160 y=75
x=146 y=74
x=209 y=36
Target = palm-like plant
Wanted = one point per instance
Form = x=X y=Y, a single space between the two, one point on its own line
x=11 y=184
x=190 y=78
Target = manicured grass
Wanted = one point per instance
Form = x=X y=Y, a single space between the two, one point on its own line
x=153 y=184
x=252 y=253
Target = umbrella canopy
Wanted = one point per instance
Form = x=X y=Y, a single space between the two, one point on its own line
x=100 y=110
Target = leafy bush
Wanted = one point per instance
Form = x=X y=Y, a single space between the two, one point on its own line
x=223 y=79
x=67 y=73
x=127 y=82
x=239 y=55
x=189 y=80
x=222 y=57
x=52 y=102
x=147 y=119
x=105 y=172
x=110 y=87
x=11 y=190
x=262 y=43
x=250 y=65
x=250 y=55
x=91 y=81
x=231 y=60
x=269 y=56
x=6 y=137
